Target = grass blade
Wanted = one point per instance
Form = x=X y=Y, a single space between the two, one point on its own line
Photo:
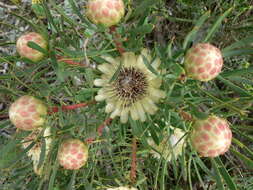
x=234 y=87
x=242 y=43
x=192 y=34
x=248 y=162
x=217 y=175
x=216 y=25
x=231 y=184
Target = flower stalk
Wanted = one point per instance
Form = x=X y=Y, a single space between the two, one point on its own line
x=56 y=109
x=116 y=38
x=134 y=161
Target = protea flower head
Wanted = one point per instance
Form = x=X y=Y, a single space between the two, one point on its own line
x=135 y=88
x=27 y=113
x=122 y=188
x=203 y=62
x=211 y=137
x=171 y=145
x=72 y=154
x=105 y=12
x=25 y=51
x=35 y=151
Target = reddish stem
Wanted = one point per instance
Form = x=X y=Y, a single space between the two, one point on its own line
x=117 y=41
x=69 y=61
x=102 y=126
x=69 y=107
x=4 y=116
x=134 y=161
x=185 y=116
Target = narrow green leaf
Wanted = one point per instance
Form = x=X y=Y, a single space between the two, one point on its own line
x=217 y=175
x=202 y=166
x=66 y=18
x=243 y=147
x=231 y=184
x=143 y=7
x=9 y=147
x=177 y=70
x=231 y=53
x=71 y=185
x=149 y=66
x=198 y=114
x=116 y=74
x=192 y=34
x=237 y=72
x=198 y=174
x=77 y=11
x=216 y=25
x=242 y=43
x=34 y=26
x=144 y=29
x=245 y=159
x=234 y=87
x=49 y=16
x=53 y=175
x=15 y=159
x=42 y=153
x=36 y=47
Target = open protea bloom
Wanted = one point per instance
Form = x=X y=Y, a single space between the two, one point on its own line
x=122 y=188
x=72 y=154
x=134 y=90
x=170 y=145
x=28 y=113
x=211 y=137
x=35 y=151
x=28 y=52
x=106 y=12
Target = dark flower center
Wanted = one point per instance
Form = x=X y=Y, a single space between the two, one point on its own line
x=131 y=85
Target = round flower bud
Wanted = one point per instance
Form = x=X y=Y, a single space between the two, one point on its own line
x=72 y=154
x=203 y=62
x=27 y=113
x=105 y=12
x=211 y=137
x=25 y=51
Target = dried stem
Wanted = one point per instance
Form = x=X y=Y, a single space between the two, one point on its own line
x=134 y=161
x=102 y=126
x=70 y=107
x=185 y=115
x=117 y=41
x=70 y=61
x=4 y=116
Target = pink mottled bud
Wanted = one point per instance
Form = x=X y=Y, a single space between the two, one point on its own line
x=27 y=113
x=211 y=137
x=25 y=51
x=72 y=154
x=106 y=12
x=203 y=62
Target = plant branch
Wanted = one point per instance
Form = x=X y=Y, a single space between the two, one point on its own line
x=102 y=126
x=134 y=161
x=70 y=107
x=116 y=38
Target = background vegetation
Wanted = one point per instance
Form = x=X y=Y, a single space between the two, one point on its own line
x=168 y=28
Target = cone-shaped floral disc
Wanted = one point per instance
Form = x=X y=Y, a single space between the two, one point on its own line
x=134 y=90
